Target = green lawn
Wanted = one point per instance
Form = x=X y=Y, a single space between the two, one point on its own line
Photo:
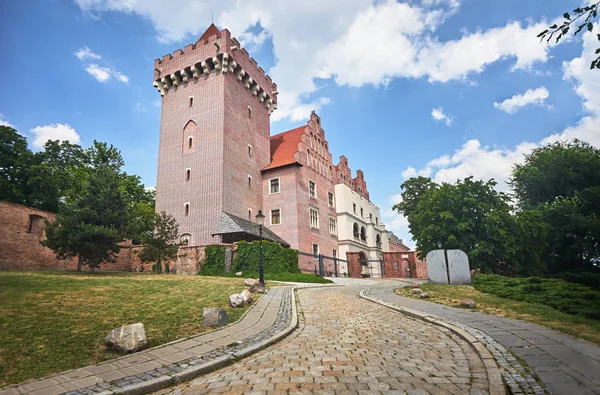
x=288 y=277
x=518 y=298
x=54 y=321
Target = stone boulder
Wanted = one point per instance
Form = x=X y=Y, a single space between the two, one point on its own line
x=238 y=274
x=250 y=282
x=414 y=285
x=468 y=303
x=247 y=296
x=416 y=290
x=236 y=300
x=127 y=339
x=213 y=316
x=258 y=288
x=424 y=295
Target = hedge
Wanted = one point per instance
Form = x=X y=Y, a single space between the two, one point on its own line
x=276 y=259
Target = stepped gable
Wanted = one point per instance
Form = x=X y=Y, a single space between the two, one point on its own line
x=215 y=51
x=343 y=175
x=284 y=147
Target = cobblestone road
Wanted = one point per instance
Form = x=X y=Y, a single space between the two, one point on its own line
x=346 y=345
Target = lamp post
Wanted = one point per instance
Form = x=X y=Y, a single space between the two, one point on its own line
x=260 y=220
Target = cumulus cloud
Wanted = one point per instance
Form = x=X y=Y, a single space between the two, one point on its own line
x=533 y=97
x=4 y=122
x=438 y=115
x=354 y=42
x=102 y=74
x=57 y=131
x=85 y=53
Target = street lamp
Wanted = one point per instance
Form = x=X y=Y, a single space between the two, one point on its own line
x=260 y=220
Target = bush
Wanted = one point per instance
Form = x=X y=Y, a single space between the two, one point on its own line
x=214 y=263
x=557 y=293
x=276 y=259
x=585 y=278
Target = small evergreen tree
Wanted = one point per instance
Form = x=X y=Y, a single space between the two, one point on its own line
x=164 y=245
x=92 y=224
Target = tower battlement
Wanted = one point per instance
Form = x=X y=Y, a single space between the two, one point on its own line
x=215 y=52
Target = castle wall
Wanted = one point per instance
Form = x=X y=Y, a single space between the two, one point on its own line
x=397 y=263
x=20 y=247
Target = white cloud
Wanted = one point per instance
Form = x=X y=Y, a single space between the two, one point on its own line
x=355 y=42
x=438 y=115
x=85 y=53
x=102 y=74
x=4 y=122
x=57 y=131
x=535 y=97
x=121 y=77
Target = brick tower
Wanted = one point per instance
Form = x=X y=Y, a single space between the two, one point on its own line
x=214 y=133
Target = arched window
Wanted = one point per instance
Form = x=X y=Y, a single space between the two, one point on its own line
x=363 y=234
x=355 y=231
x=378 y=241
x=189 y=136
x=185 y=238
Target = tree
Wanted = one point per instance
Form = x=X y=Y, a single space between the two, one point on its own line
x=93 y=223
x=474 y=217
x=164 y=245
x=562 y=181
x=15 y=159
x=54 y=173
x=583 y=18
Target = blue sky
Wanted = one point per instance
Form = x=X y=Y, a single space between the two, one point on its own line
x=443 y=88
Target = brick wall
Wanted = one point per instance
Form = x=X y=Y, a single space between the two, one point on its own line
x=397 y=263
x=354 y=269
x=21 y=230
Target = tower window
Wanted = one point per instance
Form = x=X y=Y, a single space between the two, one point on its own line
x=316 y=251
x=187 y=209
x=250 y=214
x=190 y=139
x=249 y=112
x=249 y=151
x=188 y=174
x=275 y=217
x=249 y=181
x=191 y=101
x=314 y=218
x=312 y=189
x=274 y=185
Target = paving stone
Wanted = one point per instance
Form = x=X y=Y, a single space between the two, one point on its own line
x=349 y=345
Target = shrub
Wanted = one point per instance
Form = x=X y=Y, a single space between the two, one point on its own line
x=214 y=263
x=557 y=293
x=276 y=259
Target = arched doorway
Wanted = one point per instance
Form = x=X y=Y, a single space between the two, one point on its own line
x=364 y=265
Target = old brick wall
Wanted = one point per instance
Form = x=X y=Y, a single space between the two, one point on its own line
x=21 y=230
x=354 y=269
x=397 y=263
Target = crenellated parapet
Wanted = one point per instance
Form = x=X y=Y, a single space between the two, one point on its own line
x=214 y=53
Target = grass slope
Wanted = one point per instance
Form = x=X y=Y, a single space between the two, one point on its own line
x=51 y=322
x=451 y=295
x=289 y=277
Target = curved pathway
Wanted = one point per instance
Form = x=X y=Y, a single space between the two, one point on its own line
x=349 y=345
x=564 y=364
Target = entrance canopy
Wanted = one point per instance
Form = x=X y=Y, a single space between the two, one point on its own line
x=232 y=228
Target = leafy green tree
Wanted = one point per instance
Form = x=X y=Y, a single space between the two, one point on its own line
x=583 y=18
x=474 y=217
x=15 y=160
x=163 y=246
x=54 y=173
x=562 y=181
x=91 y=224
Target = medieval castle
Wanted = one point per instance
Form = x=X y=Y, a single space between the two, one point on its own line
x=218 y=163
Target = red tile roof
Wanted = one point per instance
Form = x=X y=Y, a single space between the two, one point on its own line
x=284 y=146
x=211 y=31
